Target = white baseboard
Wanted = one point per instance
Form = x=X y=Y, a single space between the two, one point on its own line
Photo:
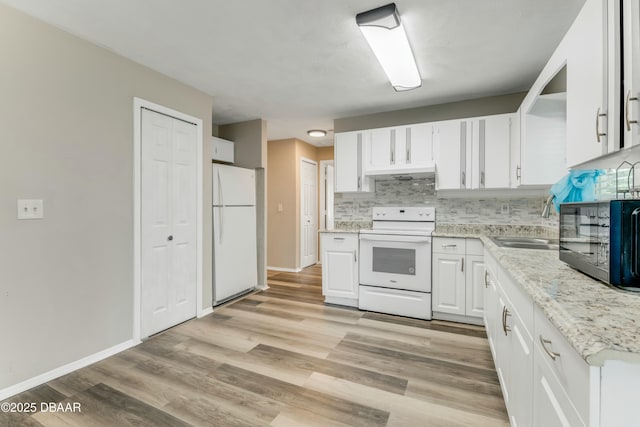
x=65 y=369
x=205 y=312
x=287 y=270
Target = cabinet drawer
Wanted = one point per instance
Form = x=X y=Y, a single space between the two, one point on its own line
x=571 y=371
x=474 y=247
x=449 y=245
x=339 y=241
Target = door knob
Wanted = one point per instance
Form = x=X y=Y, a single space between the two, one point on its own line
x=170 y=238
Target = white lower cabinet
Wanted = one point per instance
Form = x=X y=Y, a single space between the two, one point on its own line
x=458 y=279
x=509 y=324
x=340 y=268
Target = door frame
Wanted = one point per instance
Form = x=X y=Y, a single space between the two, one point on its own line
x=312 y=162
x=321 y=194
x=138 y=105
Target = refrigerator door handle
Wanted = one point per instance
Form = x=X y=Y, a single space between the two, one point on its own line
x=220 y=217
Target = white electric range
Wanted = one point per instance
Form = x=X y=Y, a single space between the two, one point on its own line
x=395 y=262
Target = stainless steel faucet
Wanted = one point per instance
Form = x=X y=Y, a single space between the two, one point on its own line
x=547 y=206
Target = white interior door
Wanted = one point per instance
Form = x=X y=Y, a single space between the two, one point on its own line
x=309 y=213
x=169 y=252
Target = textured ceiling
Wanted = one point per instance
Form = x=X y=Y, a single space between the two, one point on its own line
x=299 y=64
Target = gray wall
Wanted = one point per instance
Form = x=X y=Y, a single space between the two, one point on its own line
x=250 y=139
x=66 y=123
x=453 y=110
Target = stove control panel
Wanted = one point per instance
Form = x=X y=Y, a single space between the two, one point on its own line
x=404 y=214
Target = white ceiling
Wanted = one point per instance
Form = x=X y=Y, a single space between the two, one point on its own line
x=299 y=64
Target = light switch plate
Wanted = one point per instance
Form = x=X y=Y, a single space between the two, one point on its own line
x=30 y=209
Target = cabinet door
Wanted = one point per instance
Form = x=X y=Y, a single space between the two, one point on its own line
x=586 y=84
x=503 y=348
x=448 y=283
x=551 y=405
x=339 y=273
x=475 y=284
x=450 y=140
x=491 y=310
x=514 y=148
x=494 y=169
x=520 y=373
x=380 y=150
x=348 y=163
x=631 y=66
x=418 y=150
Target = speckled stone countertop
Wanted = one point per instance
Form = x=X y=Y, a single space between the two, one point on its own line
x=600 y=322
x=479 y=230
x=341 y=231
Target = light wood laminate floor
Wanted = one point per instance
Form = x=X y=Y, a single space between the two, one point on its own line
x=281 y=357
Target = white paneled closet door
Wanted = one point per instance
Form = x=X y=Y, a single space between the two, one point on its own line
x=169 y=254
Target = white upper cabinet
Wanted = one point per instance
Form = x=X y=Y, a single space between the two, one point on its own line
x=379 y=150
x=418 y=149
x=473 y=153
x=450 y=152
x=631 y=67
x=490 y=156
x=396 y=150
x=587 y=84
x=347 y=163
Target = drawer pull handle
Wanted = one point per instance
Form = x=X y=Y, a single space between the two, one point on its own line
x=486 y=278
x=505 y=313
x=338 y=238
x=552 y=354
x=449 y=246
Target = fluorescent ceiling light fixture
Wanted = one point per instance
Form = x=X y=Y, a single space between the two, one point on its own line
x=317 y=133
x=388 y=40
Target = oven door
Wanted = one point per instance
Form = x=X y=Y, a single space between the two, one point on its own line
x=398 y=262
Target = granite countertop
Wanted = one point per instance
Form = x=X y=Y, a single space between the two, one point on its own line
x=600 y=322
x=341 y=231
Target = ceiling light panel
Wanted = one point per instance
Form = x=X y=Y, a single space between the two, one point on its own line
x=385 y=33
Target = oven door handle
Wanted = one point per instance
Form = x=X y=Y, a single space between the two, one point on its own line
x=394 y=238
x=635 y=247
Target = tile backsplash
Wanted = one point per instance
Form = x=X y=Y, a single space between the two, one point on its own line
x=514 y=210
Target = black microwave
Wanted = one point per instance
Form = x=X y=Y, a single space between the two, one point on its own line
x=601 y=239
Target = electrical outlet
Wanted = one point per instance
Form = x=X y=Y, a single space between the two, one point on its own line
x=505 y=208
x=30 y=209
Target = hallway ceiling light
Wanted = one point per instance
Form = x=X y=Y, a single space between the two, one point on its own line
x=317 y=133
x=388 y=40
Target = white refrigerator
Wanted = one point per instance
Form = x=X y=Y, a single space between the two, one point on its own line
x=235 y=259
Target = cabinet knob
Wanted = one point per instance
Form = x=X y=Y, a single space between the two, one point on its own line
x=170 y=238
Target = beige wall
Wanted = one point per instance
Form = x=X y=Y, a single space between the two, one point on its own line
x=66 y=117
x=453 y=110
x=284 y=187
x=281 y=190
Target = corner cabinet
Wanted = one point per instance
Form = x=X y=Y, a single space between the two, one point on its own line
x=340 y=268
x=458 y=280
x=349 y=174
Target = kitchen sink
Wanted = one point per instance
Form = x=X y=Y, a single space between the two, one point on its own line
x=526 y=242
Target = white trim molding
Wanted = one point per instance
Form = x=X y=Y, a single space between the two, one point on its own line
x=65 y=369
x=138 y=104
x=205 y=312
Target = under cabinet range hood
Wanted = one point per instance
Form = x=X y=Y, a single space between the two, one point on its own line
x=404 y=173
